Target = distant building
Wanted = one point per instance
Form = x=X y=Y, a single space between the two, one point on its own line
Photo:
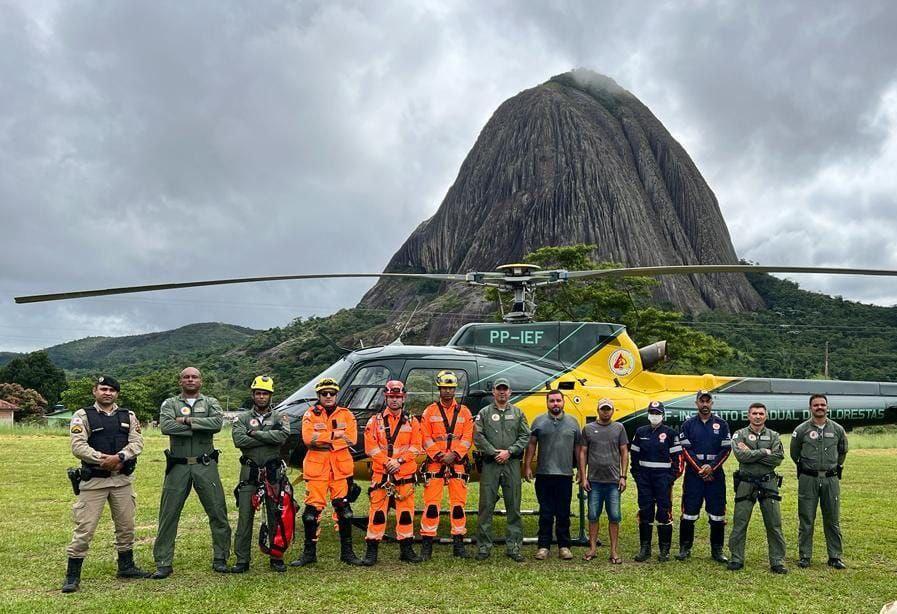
x=60 y=416
x=7 y=412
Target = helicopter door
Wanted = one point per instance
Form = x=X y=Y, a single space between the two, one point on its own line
x=420 y=382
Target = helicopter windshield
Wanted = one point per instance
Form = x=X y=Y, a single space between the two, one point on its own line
x=307 y=393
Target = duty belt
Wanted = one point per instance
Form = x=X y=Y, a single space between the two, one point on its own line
x=389 y=484
x=446 y=473
x=758 y=481
x=204 y=459
x=820 y=473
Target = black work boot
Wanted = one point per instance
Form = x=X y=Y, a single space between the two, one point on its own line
x=426 y=549
x=72 y=575
x=127 y=568
x=717 y=539
x=458 y=548
x=686 y=538
x=370 y=555
x=407 y=553
x=310 y=550
x=664 y=540
x=162 y=572
x=277 y=565
x=240 y=567
x=346 y=554
x=645 y=534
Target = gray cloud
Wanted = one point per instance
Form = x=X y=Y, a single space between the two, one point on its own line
x=147 y=142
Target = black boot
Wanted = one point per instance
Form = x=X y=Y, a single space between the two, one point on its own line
x=426 y=549
x=277 y=565
x=407 y=553
x=346 y=554
x=717 y=539
x=664 y=540
x=686 y=538
x=127 y=568
x=72 y=575
x=370 y=556
x=645 y=535
x=310 y=550
x=458 y=548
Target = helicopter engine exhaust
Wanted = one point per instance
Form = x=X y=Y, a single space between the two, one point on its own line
x=653 y=354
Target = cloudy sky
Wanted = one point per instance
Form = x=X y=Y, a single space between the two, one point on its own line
x=145 y=142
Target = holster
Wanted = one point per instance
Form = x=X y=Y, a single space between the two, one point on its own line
x=75 y=478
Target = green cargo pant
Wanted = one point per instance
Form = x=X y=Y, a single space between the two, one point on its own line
x=175 y=489
x=507 y=477
x=772 y=519
x=245 y=521
x=826 y=494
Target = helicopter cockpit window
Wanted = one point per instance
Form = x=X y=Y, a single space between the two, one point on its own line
x=366 y=389
x=337 y=371
x=421 y=390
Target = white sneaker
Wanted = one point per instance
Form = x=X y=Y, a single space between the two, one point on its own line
x=541 y=554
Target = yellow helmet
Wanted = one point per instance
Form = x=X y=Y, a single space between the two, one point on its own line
x=328 y=383
x=446 y=379
x=263 y=382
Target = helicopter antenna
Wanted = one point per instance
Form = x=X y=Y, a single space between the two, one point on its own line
x=404 y=328
x=333 y=343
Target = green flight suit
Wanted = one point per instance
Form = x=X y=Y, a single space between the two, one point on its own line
x=819 y=451
x=497 y=429
x=756 y=481
x=259 y=437
x=191 y=441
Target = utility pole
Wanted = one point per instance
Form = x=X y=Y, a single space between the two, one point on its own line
x=825 y=370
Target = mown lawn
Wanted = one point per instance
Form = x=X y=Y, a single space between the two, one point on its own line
x=36 y=526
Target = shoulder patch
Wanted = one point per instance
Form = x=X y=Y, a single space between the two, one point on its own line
x=735 y=436
x=77 y=429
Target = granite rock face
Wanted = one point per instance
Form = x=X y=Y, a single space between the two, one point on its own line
x=577 y=159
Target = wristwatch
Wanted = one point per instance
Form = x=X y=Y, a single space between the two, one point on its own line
x=121 y=456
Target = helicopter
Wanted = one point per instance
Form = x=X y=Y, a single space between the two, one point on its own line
x=588 y=361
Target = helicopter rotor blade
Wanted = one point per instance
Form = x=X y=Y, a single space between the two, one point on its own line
x=61 y=296
x=688 y=269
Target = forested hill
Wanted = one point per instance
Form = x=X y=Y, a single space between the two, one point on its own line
x=788 y=338
x=97 y=353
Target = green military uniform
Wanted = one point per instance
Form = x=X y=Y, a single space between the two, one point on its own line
x=259 y=437
x=497 y=429
x=819 y=454
x=192 y=462
x=755 y=481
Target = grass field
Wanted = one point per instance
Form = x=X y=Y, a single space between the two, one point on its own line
x=36 y=526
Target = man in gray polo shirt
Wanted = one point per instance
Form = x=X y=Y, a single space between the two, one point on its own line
x=605 y=450
x=558 y=438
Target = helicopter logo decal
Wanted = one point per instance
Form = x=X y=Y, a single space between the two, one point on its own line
x=621 y=362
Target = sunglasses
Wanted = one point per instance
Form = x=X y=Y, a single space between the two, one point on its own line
x=327 y=393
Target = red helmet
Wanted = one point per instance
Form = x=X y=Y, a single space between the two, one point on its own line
x=394 y=388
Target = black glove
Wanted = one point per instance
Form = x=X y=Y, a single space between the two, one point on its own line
x=798 y=470
x=840 y=471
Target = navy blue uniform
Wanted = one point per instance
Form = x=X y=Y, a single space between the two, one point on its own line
x=704 y=443
x=655 y=465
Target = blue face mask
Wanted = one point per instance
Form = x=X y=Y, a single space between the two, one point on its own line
x=655 y=419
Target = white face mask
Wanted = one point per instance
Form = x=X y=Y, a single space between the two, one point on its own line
x=655 y=419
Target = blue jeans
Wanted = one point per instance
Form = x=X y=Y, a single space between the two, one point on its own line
x=606 y=495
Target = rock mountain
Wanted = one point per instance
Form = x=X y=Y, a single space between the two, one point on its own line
x=577 y=159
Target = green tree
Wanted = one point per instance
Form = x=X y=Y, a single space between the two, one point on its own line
x=624 y=300
x=36 y=371
x=32 y=406
x=142 y=395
